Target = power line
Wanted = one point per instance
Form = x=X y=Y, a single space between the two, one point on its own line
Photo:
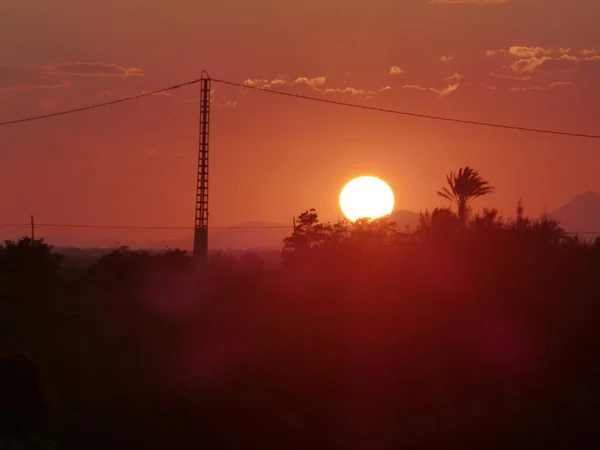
x=144 y=227
x=100 y=105
x=406 y=113
x=310 y=98
x=183 y=229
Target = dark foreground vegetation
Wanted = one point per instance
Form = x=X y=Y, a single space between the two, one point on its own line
x=469 y=332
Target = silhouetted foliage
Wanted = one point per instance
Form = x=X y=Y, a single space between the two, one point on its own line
x=27 y=258
x=480 y=333
x=463 y=187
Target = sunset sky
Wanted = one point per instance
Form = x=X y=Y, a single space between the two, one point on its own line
x=533 y=63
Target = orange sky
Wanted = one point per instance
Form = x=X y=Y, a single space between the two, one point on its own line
x=525 y=62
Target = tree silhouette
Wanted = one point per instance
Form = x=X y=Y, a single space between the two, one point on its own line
x=438 y=227
x=28 y=262
x=308 y=234
x=464 y=186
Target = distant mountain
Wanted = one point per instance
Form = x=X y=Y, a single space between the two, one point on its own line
x=582 y=214
x=404 y=219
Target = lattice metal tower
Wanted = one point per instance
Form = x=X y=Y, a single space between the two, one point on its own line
x=201 y=225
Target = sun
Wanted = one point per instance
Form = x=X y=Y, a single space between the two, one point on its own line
x=366 y=197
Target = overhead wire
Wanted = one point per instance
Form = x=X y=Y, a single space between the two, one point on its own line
x=144 y=227
x=80 y=227
x=309 y=98
x=407 y=113
x=100 y=105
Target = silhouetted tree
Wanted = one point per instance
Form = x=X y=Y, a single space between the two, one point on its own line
x=309 y=234
x=437 y=227
x=121 y=266
x=463 y=187
x=29 y=264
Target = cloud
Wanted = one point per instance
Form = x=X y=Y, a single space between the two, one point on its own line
x=255 y=82
x=441 y=92
x=473 y=2
x=532 y=59
x=523 y=51
x=106 y=94
x=314 y=83
x=448 y=89
x=262 y=83
x=511 y=77
x=562 y=63
x=556 y=84
x=279 y=81
x=452 y=81
x=95 y=69
x=454 y=78
x=395 y=70
x=528 y=52
x=357 y=92
x=446 y=59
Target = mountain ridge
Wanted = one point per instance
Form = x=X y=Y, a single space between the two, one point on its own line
x=581 y=214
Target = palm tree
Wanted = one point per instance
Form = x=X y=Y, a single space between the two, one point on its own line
x=465 y=186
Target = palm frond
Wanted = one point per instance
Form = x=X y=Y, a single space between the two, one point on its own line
x=447 y=194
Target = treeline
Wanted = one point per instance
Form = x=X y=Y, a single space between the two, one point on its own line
x=470 y=331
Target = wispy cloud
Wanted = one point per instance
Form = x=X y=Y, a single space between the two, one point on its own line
x=562 y=63
x=547 y=87
x=357 y=92
x=528 y=52
x=395 y=70
x=314 y=83
x=511 y=77
x=441 y=92
x=446 y=59
x=531 y=59
x=455 y=78
x=264 y=83
x=95 y=69
x=452 y=84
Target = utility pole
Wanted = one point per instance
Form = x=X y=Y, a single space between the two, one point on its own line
x=200 y=252
x=32 y=229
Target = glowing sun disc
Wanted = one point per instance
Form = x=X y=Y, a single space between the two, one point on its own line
x=366 y=197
